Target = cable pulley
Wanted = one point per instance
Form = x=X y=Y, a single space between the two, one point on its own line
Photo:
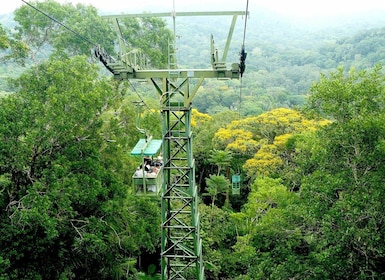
x=104 y=58
x=243 y=54
x=242 y=59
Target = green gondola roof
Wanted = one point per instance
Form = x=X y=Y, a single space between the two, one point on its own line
x=150 y=148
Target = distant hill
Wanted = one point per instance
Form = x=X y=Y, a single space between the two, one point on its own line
x=285 y=54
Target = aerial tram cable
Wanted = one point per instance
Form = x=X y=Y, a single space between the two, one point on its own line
x=62 y=24
x=242 y=58
x=142 y=101
x=99 y=52
x=243 y=54
x=236 y=178
x=244 y=29
x=88 y=41
x=143 y=184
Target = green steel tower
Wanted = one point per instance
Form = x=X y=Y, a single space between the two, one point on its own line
x=181 y=247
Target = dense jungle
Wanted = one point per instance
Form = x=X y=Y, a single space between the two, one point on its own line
x=304 y=128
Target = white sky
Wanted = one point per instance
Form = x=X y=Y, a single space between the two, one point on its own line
x=301 y=8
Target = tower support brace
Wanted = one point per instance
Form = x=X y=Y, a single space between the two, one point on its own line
x=181 y=252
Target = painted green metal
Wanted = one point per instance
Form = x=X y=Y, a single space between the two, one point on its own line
x=236 y=184
x=178 y=14
x=181 y=245
x=146 y=183
x=145 y=147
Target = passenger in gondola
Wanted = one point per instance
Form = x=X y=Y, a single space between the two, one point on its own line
x=147 y=164
x=152 y=170
x=151 y=188
x=155 y=169
x=147 y=167
x=139 y=172
x=159 y=161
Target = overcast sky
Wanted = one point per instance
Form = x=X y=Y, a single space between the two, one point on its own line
x=300 y=8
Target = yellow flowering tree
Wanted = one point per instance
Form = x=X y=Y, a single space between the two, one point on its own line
x=275 y=128
x=235 y=138
x=198 y=119
x=262 y=139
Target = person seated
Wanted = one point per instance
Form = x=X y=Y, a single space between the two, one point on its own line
x=147 y=167
x=151 y=188
x=139 y=173
x=155 y=169
x=151 y=174
x=148 y=161
x=159 y=161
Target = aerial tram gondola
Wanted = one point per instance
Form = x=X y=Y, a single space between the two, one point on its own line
x=236 y=184
x=148 y=177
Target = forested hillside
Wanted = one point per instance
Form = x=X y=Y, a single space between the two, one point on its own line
x=285 y=56
x=306 y=135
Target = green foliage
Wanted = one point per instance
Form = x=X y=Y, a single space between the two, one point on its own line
x=345 y=194
x=150 y=36
x=3 y=39
x=222 y=159
x=64 y=180
x=219 y=234
x=17 y=50
x=268 y=232
x=40 y=32
x=217 y=184
x=344 y=97
x=322 y=218
x=67 y=213
x=342 y=190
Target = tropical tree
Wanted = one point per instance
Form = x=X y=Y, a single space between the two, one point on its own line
x=149 y=36
x=221 y=159
x=17 y=50
x=70 y=30
x=63 y=179
x=344 y=189
x=234 y=137
x=262 y=139
x=3 y=39
x=216 y=185
x=268 y=232
x=65 y=29
x=329 y=226
x=218 y=233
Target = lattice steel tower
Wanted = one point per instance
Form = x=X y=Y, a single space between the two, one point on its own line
x=181 y=247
